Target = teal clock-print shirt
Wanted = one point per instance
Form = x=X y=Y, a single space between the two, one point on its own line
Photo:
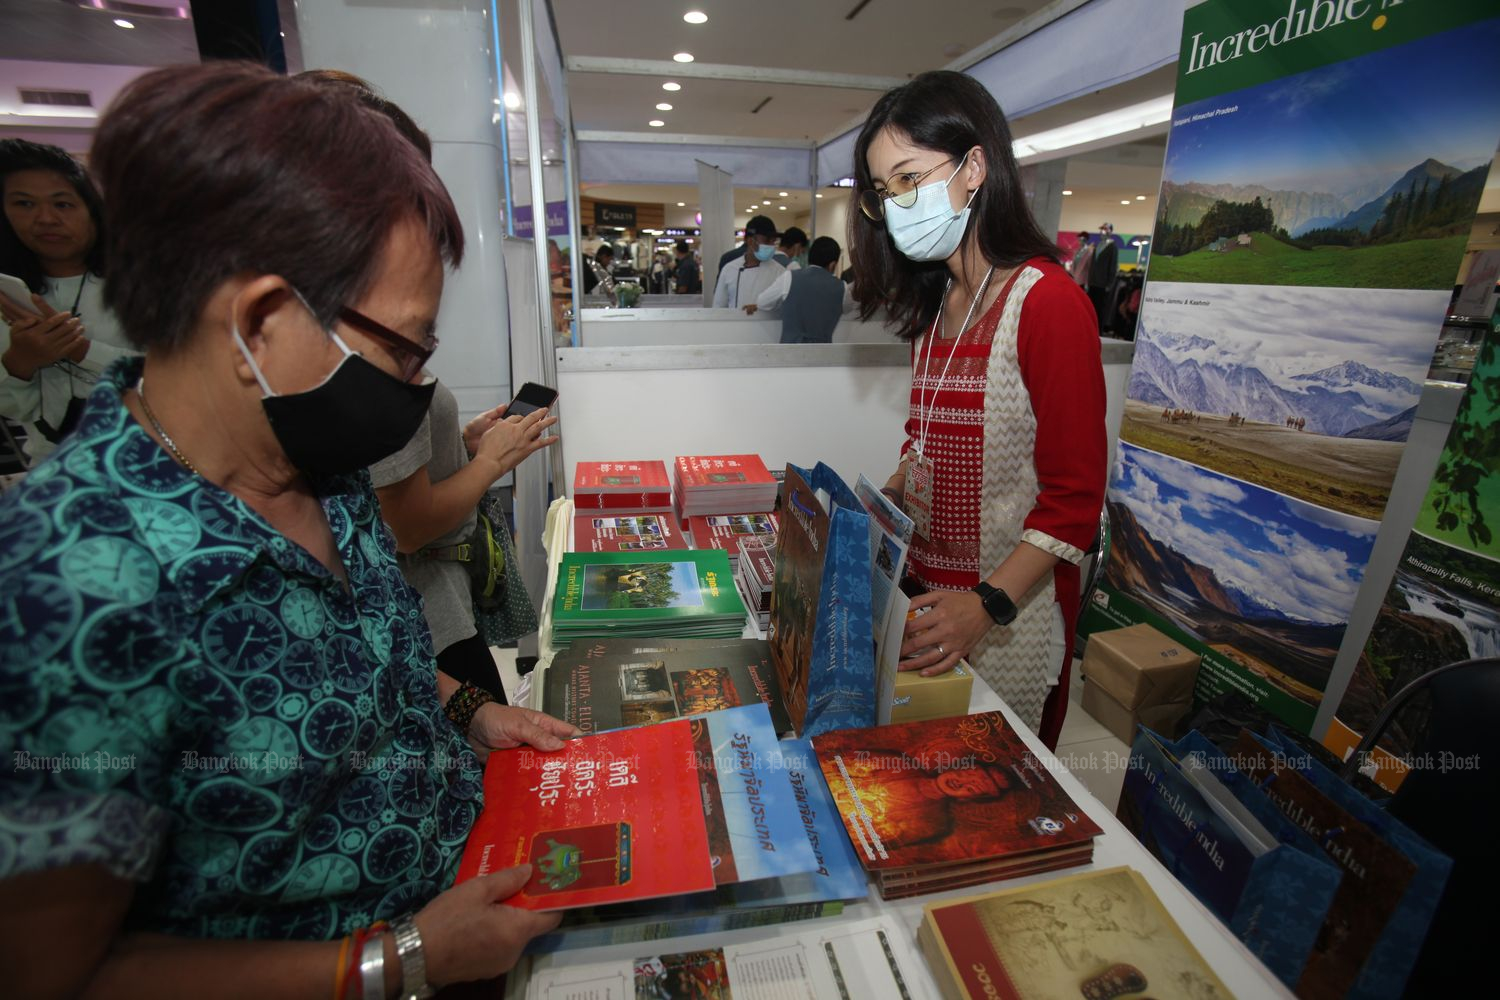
x=194 y=702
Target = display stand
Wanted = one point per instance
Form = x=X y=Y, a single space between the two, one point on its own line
x=1241 y=971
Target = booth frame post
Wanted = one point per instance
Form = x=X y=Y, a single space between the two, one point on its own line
x=534 y=172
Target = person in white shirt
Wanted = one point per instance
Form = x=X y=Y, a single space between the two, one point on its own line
x=54 y=346
x=812 y=300
x=743 y=279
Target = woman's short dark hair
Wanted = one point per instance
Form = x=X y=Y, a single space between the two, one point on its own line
x=227 y=168
x=951 y=113
x=824 y=251
x=16 y=259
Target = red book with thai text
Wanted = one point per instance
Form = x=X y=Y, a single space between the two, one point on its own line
x=607 y=819
x=629 y=486
x=604 y=531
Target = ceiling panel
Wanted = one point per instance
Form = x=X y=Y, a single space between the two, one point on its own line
x=895 y=38
x=54 y=31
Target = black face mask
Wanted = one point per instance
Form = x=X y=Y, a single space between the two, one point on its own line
x=354 y=418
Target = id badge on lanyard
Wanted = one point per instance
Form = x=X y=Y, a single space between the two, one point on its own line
x=917 y=497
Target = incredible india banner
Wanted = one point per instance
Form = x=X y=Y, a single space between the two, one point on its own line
x=1324 y=166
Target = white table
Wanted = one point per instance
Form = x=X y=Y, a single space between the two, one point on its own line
x=1241 y=971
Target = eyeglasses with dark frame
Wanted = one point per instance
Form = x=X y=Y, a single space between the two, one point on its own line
x=900 y=188
x=409 y=355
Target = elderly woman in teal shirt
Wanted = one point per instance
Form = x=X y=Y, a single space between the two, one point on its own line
x=218 y=698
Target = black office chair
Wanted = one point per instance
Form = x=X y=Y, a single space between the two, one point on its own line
x=1450 y=800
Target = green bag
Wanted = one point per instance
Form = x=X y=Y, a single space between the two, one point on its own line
x=503 y=611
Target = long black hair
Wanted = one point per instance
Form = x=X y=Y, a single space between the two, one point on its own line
x=950 y=113
x=15 y=258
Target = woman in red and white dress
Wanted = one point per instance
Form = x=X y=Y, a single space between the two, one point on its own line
x=1004 y=463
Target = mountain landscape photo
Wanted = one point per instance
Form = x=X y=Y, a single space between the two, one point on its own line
x=1363 y=173
x=1259 y=385
x=1265 y=580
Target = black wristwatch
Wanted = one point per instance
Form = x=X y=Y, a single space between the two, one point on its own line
x=997 y=603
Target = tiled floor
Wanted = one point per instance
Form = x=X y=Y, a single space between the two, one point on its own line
x=1094 y=755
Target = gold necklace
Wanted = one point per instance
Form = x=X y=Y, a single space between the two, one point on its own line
x=140 y=390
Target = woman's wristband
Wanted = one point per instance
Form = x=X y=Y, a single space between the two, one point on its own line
x=465 y=704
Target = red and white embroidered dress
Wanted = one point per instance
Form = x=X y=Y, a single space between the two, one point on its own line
x=1016 y=434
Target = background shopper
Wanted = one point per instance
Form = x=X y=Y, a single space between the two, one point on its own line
x=54 y=345
x=812 y=299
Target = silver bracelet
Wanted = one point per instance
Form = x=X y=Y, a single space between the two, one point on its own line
x=372 y=968
x=413 y=961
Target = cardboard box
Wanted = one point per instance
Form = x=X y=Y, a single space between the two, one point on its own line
x=1137 y=675
x=942 y=696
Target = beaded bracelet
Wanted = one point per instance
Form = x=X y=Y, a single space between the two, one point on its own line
x=465 y=704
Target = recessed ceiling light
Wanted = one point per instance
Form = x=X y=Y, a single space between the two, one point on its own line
x=695 y=17
x=783 y=194
x=682 y=204
x=120 y=22
x=1065 y=193
x=1140 y=197
x=683 y=57
x=782 y=207
x=512 y=100
x=656 y=123
x=817 y=196
x=671 y=85
x=664 y=106
x=1124 y=201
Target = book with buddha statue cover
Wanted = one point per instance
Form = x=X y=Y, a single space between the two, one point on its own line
x=949 y=802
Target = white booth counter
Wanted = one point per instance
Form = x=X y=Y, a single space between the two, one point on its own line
x=691 y=324
x=843 y=403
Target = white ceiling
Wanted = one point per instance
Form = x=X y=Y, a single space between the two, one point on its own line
x=889 y=38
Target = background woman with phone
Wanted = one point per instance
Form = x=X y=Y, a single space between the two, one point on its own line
x=57 y=335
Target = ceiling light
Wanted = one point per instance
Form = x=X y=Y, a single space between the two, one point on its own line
x=683 y=57
x=783 y=194
x=1065 y=194
x=695 y=17
x=1140 y=197
x=782 y=207
x=1137 y=117
x=682 y=204
x=1124 y=201
x=512 y=100
x=671 y=85
x=120 y=22
x=664 y=106
x=817 y=196
x=656 y=123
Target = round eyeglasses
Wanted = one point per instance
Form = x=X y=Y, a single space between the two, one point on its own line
x=899 y=188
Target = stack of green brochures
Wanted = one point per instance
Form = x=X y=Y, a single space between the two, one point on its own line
x=673 y=593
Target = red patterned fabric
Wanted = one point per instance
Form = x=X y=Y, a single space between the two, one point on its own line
x=1059 y=360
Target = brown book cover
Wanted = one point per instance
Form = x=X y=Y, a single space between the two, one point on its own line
x=794 y=597
x=1050 y=861
x=1094 y=935
x=946 y=791
x=1376 y=874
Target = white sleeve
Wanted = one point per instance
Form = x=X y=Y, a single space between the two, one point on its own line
x=773 y=296
x=721 y=290
x=849 y=304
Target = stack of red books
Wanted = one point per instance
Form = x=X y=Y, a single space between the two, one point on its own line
x=634 y=487
x=722 y=484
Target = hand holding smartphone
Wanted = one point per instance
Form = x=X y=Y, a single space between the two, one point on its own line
x=530 y=398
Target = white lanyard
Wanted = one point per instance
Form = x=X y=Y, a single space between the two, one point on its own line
x=924 y=414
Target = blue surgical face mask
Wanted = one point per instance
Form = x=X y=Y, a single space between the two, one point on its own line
x=764 y=252
x=931 y=229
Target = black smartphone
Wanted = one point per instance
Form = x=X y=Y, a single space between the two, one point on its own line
x=531 y=397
